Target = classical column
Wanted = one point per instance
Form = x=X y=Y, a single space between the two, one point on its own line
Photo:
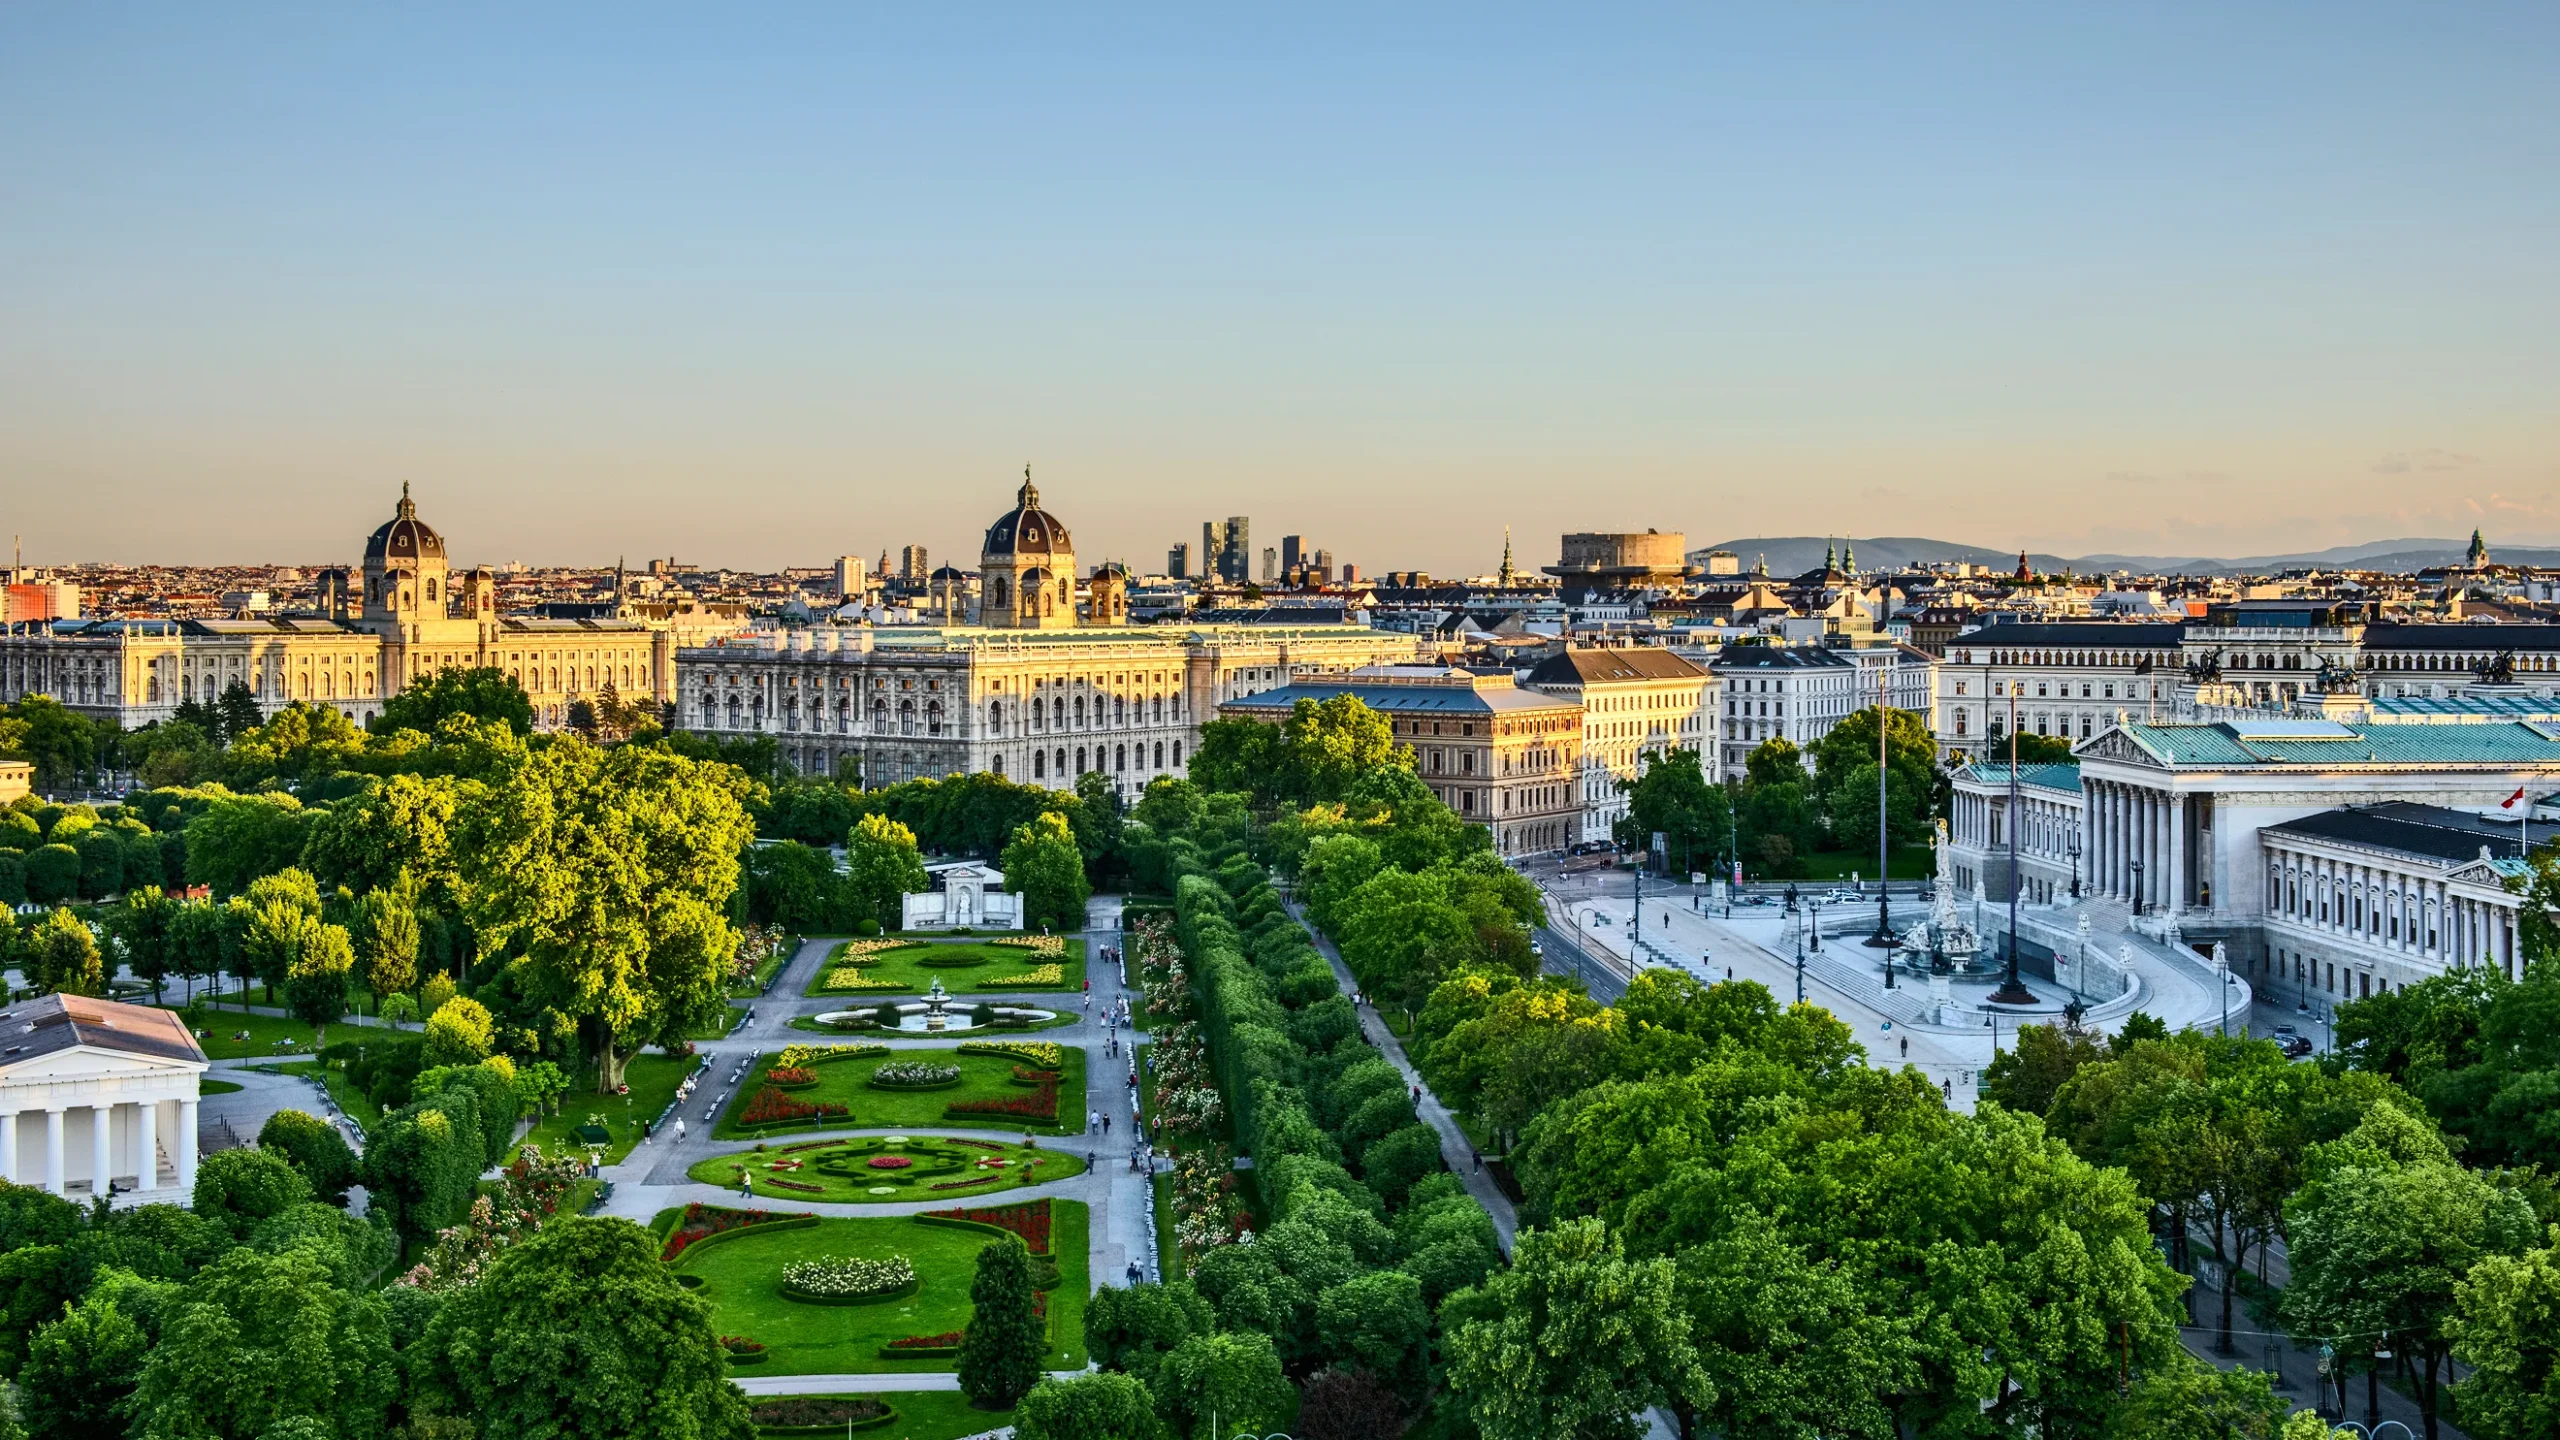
x=146 y=1144
x=186 y=1138
x=2173 y=811
x=101 y=1149
x=53 y=1148
x=9 y=1147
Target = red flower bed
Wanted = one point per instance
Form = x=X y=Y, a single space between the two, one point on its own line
x=1040 y=1105
x=791 y=1075
x=701 y=1222
x=1028 y=1219
x=947 y=1340
x=965 y=1184
x=1025 y=1076
x=889 y=1162
x=769 y=1106
x=780 y=1184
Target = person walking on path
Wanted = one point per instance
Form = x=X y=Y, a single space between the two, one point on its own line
x=1106 y=1125
x=1093 y=1119
x=679 y=1129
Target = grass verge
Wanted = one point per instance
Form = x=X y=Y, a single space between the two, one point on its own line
x=653 y=1080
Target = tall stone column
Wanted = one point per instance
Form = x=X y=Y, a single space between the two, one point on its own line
x=186 y=1138
x=2173 y=810
x=146 y=1145
x=102 y=1153
x=53 y=1149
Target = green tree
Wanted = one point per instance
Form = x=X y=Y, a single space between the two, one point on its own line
x=317 y=982
x=795 y=887
x=395 y=833
x=1574 y=1340
x=422 y=1162
x=2505 y=1325
x=1225 y=1383
x=259 y=1342
x=385 y=934
x=53 y=874
x=1088 y=1407
x=881 y=867
x=282 y=921
x=238 y=710
x=2186 y=1399
x=101 y=864
x=299 y=743
x=1673 y=799
x=315 y=1150
x=2379 y=1245
x=1377 y=1323
x=1775 y=761
x=1045 y=868
x=62 y=956
x=2026 y=1076
x=1000 y=1357
x=144 y=928
x=240 y=1188
x=238 y=838
x=610 y=871
x=459 y=1033
x=62 y=742
x=1133 y=1329
x=580 y=1334
x=79 y=1371
x=483 y=693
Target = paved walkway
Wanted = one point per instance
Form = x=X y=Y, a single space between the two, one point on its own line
x=1455 y=1149
x=655 y=1175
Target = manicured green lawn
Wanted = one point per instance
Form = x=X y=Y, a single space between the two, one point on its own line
x=899 y=971
x=1169 y=1253
x=846 y=1082
x=1065 y=1016
x=765 y=971
x=922 y=1415
x=653 y=1079
x=350 y=1099
x=742 y=1280
x=210 y=1086
x=267 y=1036
x=936 y=1162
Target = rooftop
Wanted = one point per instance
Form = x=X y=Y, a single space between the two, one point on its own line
x=2428 y=830
x=2061 y=775
x=1405 y=699
x=50 y=1023
x=1597 y=667
x=2232 y=744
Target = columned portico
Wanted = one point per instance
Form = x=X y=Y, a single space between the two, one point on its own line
x=106 y=1080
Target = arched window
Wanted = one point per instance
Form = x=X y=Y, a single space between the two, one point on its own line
x=1080 y=758
x=1002 y=590
x=1119 y=711
x=1120 y=759
x=1039 y=765
x=1079 y=712
x=933 y=717
x=995 y=718
x=1159 y=754
x=906 y=717
x=1177 y=754
x=1062 y=762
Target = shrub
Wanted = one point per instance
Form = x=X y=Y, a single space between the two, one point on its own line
x=790 y=1077
x=915 y=1075
x=314 y=1148
x=1047 y=1054
x=700 y=1222
x=847 y=1279
x=1041 y=1105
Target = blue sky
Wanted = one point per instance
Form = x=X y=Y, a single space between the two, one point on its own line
x=764 y=286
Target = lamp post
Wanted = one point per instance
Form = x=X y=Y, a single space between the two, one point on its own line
x=2136 y=867
x=2011 y=992
x=1817 y=926
x=1884 y=874
x=2075 y=862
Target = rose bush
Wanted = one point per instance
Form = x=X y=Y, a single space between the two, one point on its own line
x=847 y=1277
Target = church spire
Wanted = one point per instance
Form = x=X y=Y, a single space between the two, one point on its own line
x=1849 y=556
x=1830 y=558
x=1506 y=557
x=2478 y=554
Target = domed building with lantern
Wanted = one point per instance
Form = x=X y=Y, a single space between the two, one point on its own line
x=394 y=619
x=1046 y=680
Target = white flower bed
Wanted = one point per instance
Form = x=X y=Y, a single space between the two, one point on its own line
x=848 y=1277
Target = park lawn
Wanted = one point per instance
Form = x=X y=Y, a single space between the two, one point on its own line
x=653 y=1079
x=981 y=1077
x=211 y=1086
x=269 y=1036
x=901 y=971
x=931 y=1155
x=741 y=1279
x=358 y=1105
x=1063 y=1017
x=1169 y=1255
x=922 y=1414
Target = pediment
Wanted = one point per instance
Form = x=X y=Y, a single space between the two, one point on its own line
x=87 y=1062
x=2120 y=748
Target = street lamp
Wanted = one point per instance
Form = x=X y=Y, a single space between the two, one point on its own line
x=2011 y=992
x=1817 y=926
x=2075 y=863
x=2136 y=867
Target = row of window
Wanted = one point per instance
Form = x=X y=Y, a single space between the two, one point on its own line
x=2307 y=897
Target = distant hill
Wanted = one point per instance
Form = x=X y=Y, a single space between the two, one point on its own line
x=1795 y=554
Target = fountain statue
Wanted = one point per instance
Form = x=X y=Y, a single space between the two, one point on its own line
x=1944 y=940
x=934 y=1000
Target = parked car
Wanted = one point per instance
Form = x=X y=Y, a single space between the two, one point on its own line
x=2294 y=1046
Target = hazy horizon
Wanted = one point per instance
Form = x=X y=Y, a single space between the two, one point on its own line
x=762 y=289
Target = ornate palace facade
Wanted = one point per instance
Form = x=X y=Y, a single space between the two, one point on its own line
x=411 y=618
x=1042 y=690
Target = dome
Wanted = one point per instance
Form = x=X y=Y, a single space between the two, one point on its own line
x=1028 y=530
x=404 y=536
x=951 y=574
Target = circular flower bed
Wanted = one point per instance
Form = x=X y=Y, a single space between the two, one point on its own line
x=848 y=1279
x=890 y=1162
x=915 y=1075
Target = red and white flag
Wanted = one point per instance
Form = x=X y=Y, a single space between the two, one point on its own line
x=2511 y=801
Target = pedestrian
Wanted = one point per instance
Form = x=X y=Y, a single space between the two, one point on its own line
x=1478 y=1159
x=1088 y=986
x=1417 y=1094
x=679 y=1129
x=1106 y=1124
x=1092 y=1119
x=1906 y=1044
x=1088 y=1002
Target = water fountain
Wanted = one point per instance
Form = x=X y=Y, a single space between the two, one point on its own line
x=934 y=1000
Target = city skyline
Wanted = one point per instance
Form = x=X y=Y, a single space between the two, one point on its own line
x=2188 y=283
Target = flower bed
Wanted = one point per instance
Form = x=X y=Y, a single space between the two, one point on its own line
x=819 y=1415
x=868 y=952
x=1029 y=1220
x=846 y=978
x=848 y=1279
x=1025 y=1076
x=703 y=1222
x=743 y=1351
x=965 y=1184
x=889 y=1162
x=1049 y=947
x=1047 y=1054
x=952 y=957
x=1040 y=1105
x=801 y=1057
x=781 y=1184
x=915 y=1075
x=790 y=1077
x=1038 y=977
x=769 y=1106
x=914 y=1346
